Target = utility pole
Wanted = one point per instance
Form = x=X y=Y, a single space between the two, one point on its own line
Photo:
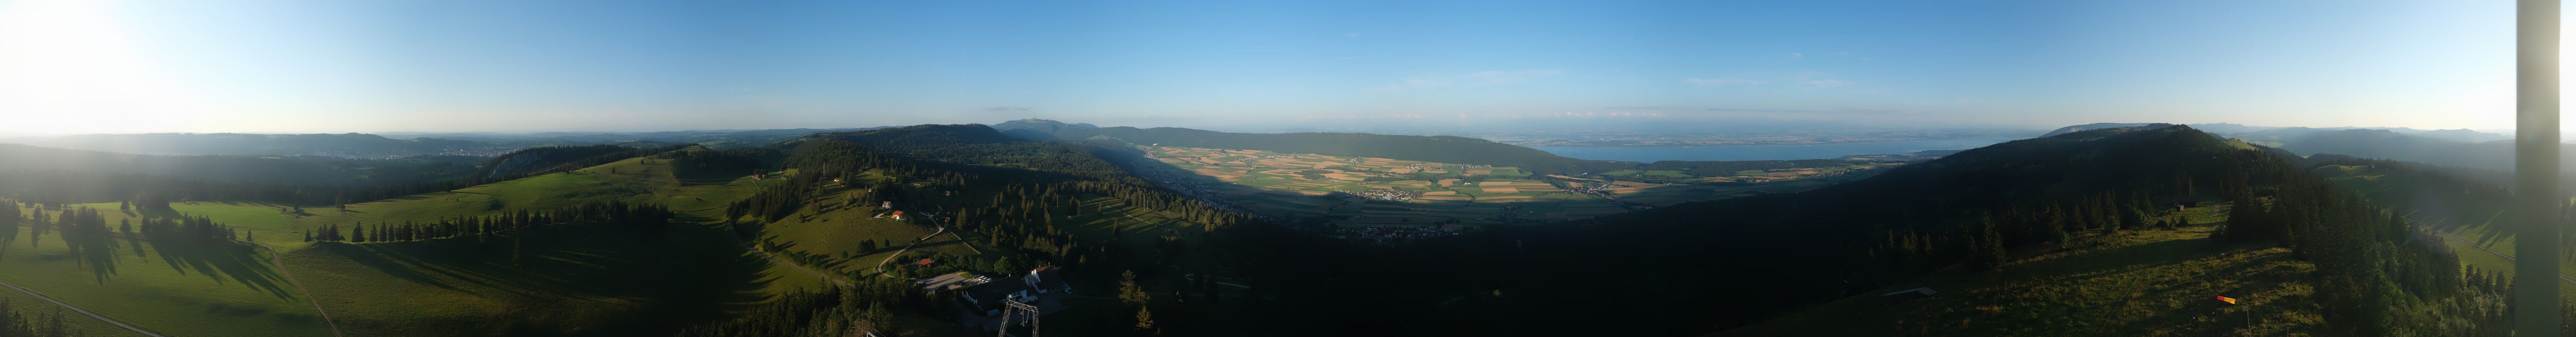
x=2535 y=168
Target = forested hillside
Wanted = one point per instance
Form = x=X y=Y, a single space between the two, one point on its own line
x=1014 y=204
x=1685 y=269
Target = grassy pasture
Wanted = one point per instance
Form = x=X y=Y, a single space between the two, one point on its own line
x=30 y=305
x=173 y=289
x=554 y=280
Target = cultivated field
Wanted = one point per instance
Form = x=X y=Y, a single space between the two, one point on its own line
x=1364 y=191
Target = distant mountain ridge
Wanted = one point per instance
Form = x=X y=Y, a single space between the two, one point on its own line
x=2233 y=130
x=360 y=145
x=242 y=143
x=1445 y=149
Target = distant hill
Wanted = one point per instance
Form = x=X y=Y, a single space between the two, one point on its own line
x=1041 y=129
x=711 y=138
x=2268 y=133
x=248 y=144
x=359 y=145
x=2094 y=126
x=1446 y=149
x=316 y=170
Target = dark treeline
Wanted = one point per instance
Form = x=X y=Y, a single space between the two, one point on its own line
x=730 y=161
x=510 y=165
x=1683 y=270
x=618 y=213
x=834 y=311
x=87 y=222
x=1013 y=193
x=14 y=323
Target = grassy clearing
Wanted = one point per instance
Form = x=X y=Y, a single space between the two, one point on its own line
x=558 y=280
x=562 y=279
x=190 y=292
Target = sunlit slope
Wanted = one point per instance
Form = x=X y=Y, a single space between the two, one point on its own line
x=181 y=291
x=2466 y=210
x=570 y=279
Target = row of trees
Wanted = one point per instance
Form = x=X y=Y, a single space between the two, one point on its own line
x=618 y=213
x=865 y=309
x=14 y=323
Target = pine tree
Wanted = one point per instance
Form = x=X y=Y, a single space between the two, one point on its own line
x=1145 y=321
x=1990 y=251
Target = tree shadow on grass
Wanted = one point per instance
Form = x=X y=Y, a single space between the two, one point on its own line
x=579 y=279
x=219 y=260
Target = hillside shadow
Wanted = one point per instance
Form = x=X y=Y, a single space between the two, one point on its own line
x=659 y=280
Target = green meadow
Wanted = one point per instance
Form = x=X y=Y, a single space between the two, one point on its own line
x=570 y=279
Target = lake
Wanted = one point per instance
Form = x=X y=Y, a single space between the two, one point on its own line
x=1768 y=152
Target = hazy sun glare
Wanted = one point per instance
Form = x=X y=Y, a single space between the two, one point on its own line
x=71 y=66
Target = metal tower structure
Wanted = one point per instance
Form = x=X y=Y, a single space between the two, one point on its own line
x=1010 y=306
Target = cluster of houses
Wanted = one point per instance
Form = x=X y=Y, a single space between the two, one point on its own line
x=1387 y=194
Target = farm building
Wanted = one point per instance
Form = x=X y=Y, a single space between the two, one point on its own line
x=898 y=215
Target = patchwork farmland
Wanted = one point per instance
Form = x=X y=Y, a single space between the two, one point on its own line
x=1367 y=192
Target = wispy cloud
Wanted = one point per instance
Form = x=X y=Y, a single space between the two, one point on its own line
x=1721 y=81
x=1000 y=108
x=1350 y=58
x=1797 y=56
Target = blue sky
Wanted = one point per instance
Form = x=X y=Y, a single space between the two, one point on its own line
x=314 y=66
